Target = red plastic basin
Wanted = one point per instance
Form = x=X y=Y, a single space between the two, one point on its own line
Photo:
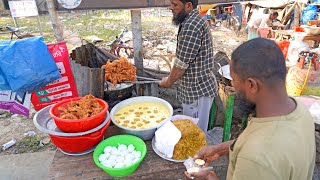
x=77 y=125
x=79 y=144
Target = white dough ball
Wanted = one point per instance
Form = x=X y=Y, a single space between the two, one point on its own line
x=123 y=153
x=107 y=149
x=127 y=162
x=112 y=163
x=113 y=157
x=131 y=148
x=119 y=159
x=119 y=165
x=103 y=157
x=137 y=154
x=115 y=151
x=135 y=160
x=122 y=147
x=107 y=155
x=130 y=156
x=106 y=164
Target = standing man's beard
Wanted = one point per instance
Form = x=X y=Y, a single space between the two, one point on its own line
x=179 y=18
x=246 y=108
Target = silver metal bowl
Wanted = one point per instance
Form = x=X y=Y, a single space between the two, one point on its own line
x=145 y=134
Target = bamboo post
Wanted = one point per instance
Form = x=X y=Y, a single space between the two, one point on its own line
x=296 y=16
x=284 y=19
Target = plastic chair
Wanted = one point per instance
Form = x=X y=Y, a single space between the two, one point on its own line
x=264 y=31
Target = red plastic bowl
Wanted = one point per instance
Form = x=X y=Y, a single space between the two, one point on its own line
x=77 y=125
x=79 y=144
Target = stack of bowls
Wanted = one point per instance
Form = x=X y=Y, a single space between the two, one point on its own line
x=73 y=136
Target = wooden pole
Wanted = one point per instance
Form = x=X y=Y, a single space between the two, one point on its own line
x=57 y=28
x=137 y=46
x=284 y=19
x=296 y=16
x=137 y=40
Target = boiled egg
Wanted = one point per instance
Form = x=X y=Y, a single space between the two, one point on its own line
x=200 y=162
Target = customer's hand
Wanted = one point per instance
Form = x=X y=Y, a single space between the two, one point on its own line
x=202 y=175
x=165 y=83
x=208 y=154
x=211 y=153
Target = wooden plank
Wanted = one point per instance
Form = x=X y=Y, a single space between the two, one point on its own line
x=96 y=81
x=77 y=77
x=85 y=80
x=152 y=167
x=133 y=4
x=84 y=57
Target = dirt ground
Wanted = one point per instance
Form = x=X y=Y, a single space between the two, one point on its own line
x=14 y=127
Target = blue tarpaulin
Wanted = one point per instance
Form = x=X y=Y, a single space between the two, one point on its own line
x=309 y=13
x=26 y=65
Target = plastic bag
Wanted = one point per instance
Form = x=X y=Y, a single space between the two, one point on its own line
x=296 y=47
x=309 y=13
x=27 y=64
x=4 y=85
x=15 y=102
x=166 y=137
x=63 y=88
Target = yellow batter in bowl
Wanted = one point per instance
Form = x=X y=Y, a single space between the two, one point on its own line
x=141 y=115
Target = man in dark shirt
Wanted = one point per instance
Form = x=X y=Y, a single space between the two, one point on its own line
x=193 y=65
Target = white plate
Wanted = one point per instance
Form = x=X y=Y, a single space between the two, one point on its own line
x=162 y=155
x=69 y=4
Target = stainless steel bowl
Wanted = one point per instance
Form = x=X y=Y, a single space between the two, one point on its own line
x=145 y=134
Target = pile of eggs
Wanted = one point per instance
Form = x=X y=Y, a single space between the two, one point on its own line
x=118 y=157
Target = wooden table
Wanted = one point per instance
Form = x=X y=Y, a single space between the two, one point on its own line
x=152 y=167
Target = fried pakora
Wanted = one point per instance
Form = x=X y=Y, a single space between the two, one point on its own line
x=119 y=70
x=85 y=107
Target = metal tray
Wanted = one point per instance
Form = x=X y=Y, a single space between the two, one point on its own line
x=43 y=122
x=162 y=155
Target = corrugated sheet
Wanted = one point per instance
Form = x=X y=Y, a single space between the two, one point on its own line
x=86 y=62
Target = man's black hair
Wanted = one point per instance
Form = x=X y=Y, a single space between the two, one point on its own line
x=194 y=3
x=259 y=58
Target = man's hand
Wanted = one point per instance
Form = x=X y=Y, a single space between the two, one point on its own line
x=202 y=175
x=174 y=75
x=211 y=153
x=165 y=83
x=208 y=154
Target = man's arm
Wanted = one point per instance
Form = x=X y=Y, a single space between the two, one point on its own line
x=175 y=74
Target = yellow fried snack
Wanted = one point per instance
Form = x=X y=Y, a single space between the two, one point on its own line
x=119 y=70
x=85 y=107
x=192 y=139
